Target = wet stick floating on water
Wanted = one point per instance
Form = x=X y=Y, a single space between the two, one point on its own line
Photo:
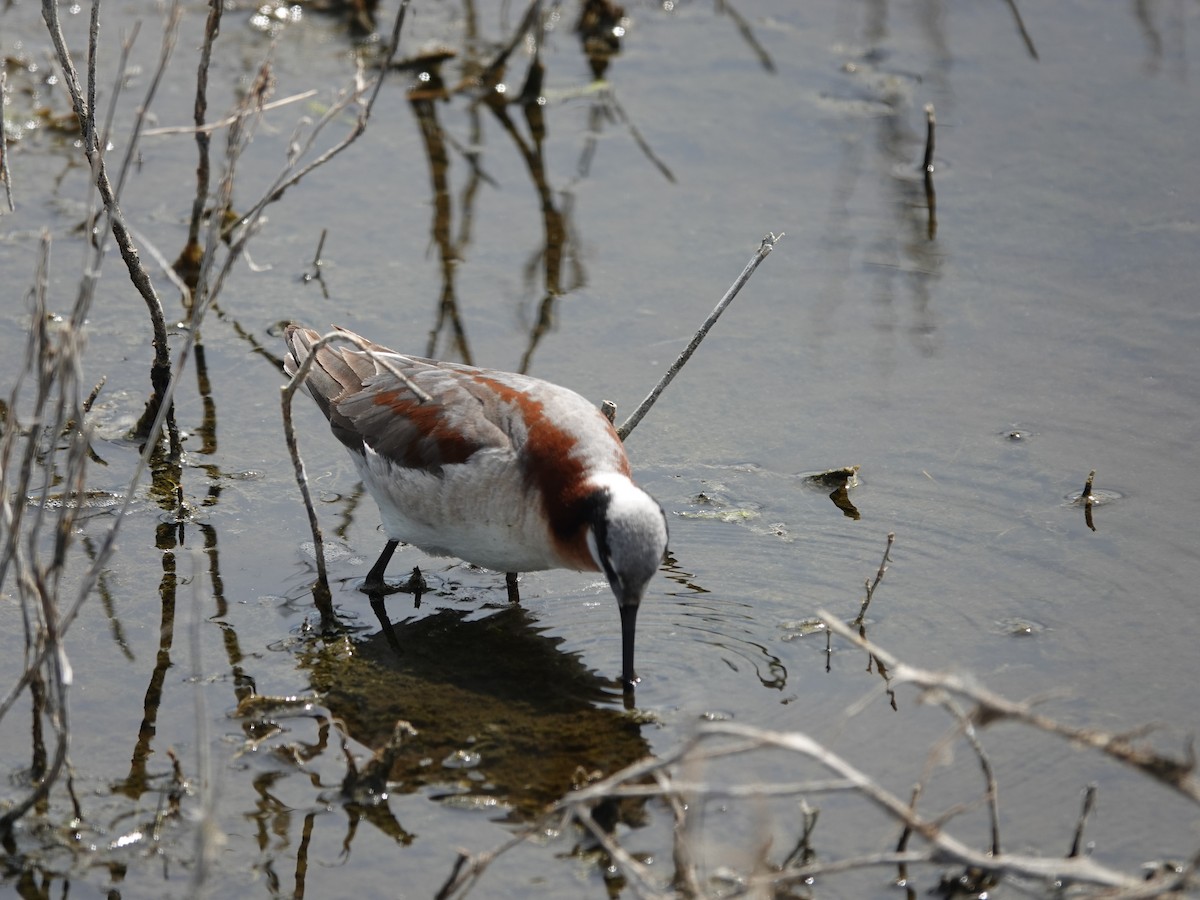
x=1091 y=497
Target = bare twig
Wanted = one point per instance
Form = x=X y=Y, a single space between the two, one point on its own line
x=54 y=362
x=1021 y=30
x=469 y=868
x=767 y=245
x=160 y=370
x=747 y=33
x=157 y=255
x=930 y=130
x=314 y=273
x=210 y=127
x=870 y=587
x=5 y=172
x=188 y=263
x=1178 y=774
x=104 y=553
x=314 y=524
x=1089 y=799
x=927 y=171
x=1077 y=870
x=966 y=727
x=170 y=33
x=943 y=847
x=209 y=287
x=55 y=366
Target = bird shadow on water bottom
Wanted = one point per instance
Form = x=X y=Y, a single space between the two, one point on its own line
x=503 y=718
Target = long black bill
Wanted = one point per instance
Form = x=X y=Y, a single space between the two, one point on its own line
x=628 y=626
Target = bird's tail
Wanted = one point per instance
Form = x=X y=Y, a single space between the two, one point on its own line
x=328 y=377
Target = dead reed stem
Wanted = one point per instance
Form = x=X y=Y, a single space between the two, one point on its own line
x=56 y=418
x=767 y=245
x=871 y=586
x=5 y=172
x=160 y=369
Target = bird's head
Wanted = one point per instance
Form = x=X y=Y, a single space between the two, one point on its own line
x=627 y=537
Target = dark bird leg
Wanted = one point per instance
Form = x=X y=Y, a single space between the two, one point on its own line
x=375 y=583
x=510 y=581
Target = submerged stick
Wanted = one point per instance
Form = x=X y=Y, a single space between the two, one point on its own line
x=1022 y=30
x=1086 y=493
x=1089 y=800
x=1086 y=497
x=767 y=245
x=927 y=168
x=314 y=274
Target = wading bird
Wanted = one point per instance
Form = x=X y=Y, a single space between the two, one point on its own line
x=501 y=470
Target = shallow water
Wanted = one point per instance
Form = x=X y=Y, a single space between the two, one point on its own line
x=1045 y=330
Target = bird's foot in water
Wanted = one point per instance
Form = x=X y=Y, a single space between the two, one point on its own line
x=415 y=584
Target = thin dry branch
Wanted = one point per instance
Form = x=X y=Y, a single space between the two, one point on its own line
x=210 y=127
x=1021 y=29
x=53 y=359
x=1089 y=798
x=189 y=260
x=160 y=370
x=945 y=847
x=469 y=868
x=107 y=546
x=870 y=587
x=767 y=245
x=927 y=172
x=5 y=172
x=1178 y=774
x=965 y=728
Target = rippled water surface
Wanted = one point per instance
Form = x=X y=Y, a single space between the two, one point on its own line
x=975 y=364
